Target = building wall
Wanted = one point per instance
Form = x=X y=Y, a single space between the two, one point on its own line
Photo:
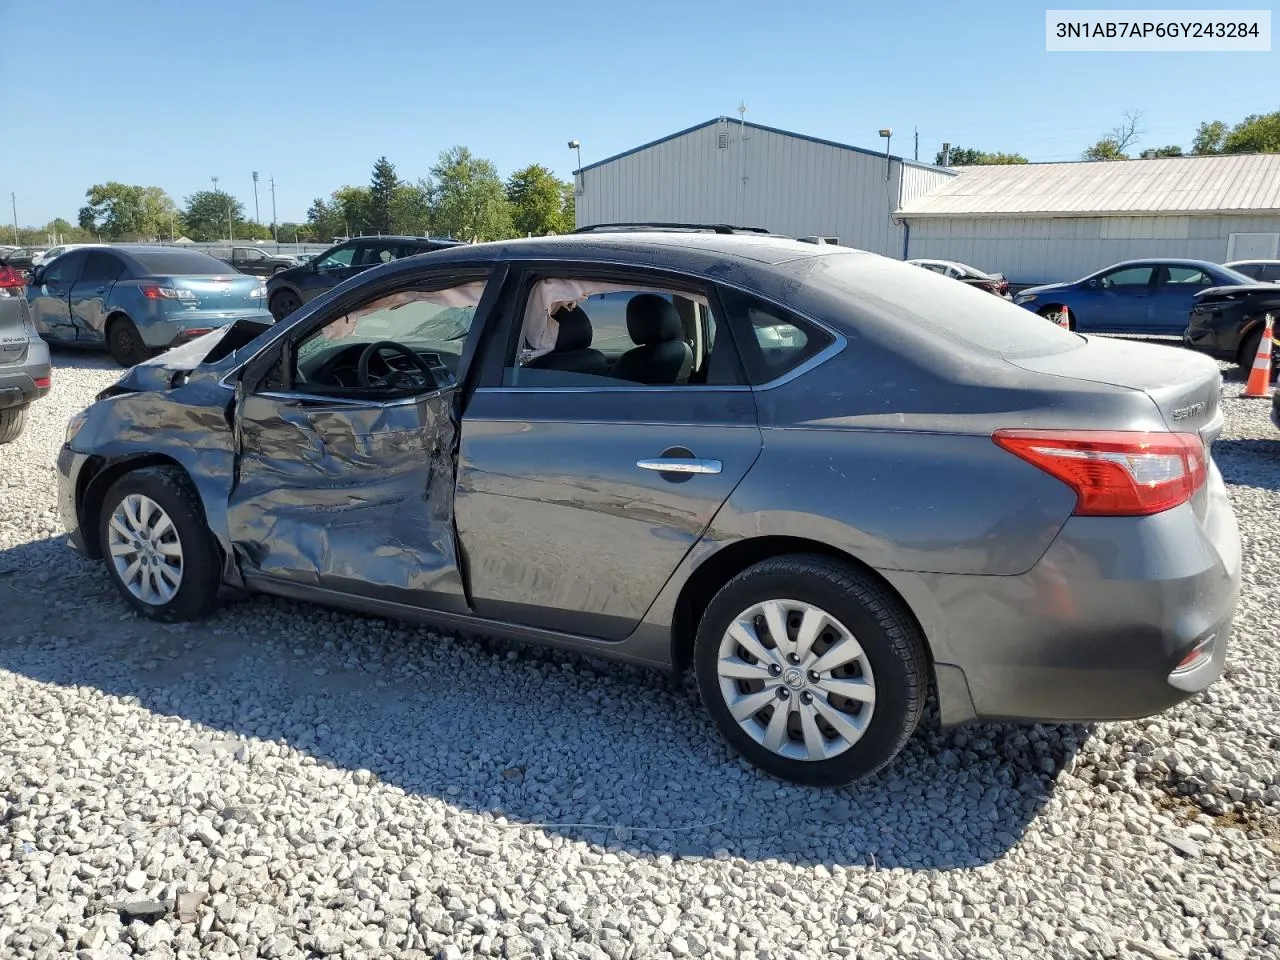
x=1045 y=250
x=726 y=173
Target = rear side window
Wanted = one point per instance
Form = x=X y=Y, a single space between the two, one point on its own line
x=102 y=267
x=1270 y=271
x=191 y=263
x=1189 y=275
x=935 y=305
x=778 y=341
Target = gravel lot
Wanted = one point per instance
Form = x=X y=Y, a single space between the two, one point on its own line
x=285 y=781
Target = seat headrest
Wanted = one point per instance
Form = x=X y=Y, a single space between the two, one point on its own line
x=574 y=329
x=652 y=319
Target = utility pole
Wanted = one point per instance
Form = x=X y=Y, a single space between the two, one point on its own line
x=275 y=227
x=917 y=130
x=13 y=199
x=256 y=219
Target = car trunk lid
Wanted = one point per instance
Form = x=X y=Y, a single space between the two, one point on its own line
x=16 y=330
x=1186 y=387
x=222 y=293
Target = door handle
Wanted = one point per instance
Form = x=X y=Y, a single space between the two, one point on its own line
x=680 y=465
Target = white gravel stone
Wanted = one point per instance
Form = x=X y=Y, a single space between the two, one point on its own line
x=288 y=781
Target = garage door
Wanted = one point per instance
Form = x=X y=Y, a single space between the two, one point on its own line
x=1252 y=246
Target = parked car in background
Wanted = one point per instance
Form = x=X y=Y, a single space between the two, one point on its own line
x=1227 y=322
x=22 y=258
x=289 y=289
x=1027 y=521
x=990 y=282
x=138 y=300
x=1151 y=297
x=253 y=260
x=53 y=253
x=1268 y=271
x=25 y=371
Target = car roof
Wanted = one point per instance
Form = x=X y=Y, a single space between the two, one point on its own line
x=1166 y=261
x=402 y=238
x=1259 y=260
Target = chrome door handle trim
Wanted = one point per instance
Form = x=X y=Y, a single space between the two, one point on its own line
x=680 y=465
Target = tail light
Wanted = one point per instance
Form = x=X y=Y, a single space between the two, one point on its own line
x=986 y=285
x=10 y=278
x=1115 y=473
x=154 y=292
x=43 y=383
x=259 y=292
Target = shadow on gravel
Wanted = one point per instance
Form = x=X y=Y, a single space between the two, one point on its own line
x=603 y=753
x=1249 y=462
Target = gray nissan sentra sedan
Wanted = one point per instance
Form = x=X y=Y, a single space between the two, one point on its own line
x=823 y=479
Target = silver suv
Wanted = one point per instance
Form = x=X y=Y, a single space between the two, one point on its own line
x=25 y=373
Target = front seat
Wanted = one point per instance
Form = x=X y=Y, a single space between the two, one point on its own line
x=572 y=352
x=662 y=356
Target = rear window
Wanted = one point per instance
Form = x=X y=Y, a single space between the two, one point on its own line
x=180 y=263
x=937 y=305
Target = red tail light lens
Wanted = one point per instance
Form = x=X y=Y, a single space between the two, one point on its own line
x=42 y=383
x=1115 y=473
x=11 y=278
x=154 y=292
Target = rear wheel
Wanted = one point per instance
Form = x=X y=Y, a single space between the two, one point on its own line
x=1249 y=353
x=158 y=549
x=12 y=420
x=125 y=343
x=283 y=303
x=811 y=669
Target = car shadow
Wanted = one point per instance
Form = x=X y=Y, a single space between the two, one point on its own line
x=1249 y=462
x=604 y=753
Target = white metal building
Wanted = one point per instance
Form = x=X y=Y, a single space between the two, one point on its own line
x=1044 y=222
x=742 y=173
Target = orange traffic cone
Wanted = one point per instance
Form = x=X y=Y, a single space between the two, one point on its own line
x=1260 y=375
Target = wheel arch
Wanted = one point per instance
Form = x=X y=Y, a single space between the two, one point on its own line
x=726 y=563
x=96 y=479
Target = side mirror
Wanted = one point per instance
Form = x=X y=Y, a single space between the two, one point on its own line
x=36 y=277
x=1094 y=284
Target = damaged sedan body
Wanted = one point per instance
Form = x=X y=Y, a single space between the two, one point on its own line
x=825 y=480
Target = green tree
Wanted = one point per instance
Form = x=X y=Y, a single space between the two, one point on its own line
x=970 y=157
x=467 y=197
x=126 y=211
x=1153 y=153
x=411 y=209
x=212 y=215
x=570 y=207
x=1209 y=137
x=382 y=191
x=537 y=199
x=1257 y=133
x=344 y=214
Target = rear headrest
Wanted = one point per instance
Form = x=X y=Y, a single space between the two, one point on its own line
x=574 y=329
x=652 y=319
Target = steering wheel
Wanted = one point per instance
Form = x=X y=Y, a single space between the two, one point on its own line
x=396 y=379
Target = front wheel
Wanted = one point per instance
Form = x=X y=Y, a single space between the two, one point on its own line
x=811 y=669
x=12 y=420
x=1054 y=315
x=158 y=549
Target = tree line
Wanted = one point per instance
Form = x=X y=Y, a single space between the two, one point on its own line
x=1256 y=133
x=461 y=197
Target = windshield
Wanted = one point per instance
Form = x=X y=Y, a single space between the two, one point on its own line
x=188 y=263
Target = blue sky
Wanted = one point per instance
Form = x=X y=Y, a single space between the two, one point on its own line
x=313 y=91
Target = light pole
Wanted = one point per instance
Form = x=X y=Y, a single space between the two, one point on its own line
x=577 y=146
x=887 y=133
x=256 y=219
x=275 y=228
x=13 y=199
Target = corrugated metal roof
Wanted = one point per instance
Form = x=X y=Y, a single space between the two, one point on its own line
x=1174 y=185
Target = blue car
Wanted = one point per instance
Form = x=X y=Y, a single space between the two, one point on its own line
x=138 y=301
x=1152 y=297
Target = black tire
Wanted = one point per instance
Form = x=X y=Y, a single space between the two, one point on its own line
x=283 y=303
x=1249 y=352
x=887 y=634
x=197 y=593
x=125 y=343
x=12 y=421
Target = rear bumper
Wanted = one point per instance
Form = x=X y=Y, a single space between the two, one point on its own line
x=20 y=382
x=170 y=331
x=1097 y=629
